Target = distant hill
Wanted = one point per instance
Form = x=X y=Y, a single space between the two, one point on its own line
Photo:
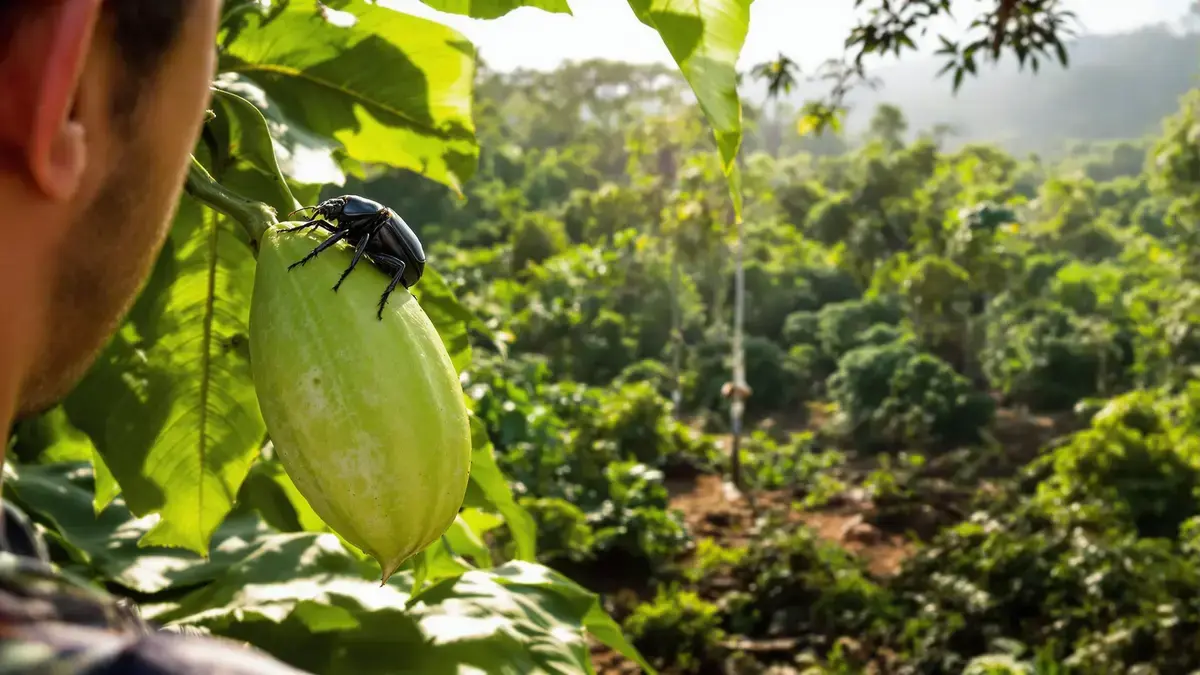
x=1116 y=86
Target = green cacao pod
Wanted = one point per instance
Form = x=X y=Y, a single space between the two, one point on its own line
x=367 y=416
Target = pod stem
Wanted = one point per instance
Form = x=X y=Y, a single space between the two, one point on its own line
x=255 y=217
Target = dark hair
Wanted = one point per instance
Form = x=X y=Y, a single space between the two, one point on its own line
x=143 y=30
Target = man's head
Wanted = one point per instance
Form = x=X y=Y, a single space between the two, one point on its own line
x=103 y=102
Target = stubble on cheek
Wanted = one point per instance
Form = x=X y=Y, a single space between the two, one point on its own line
x=104 y=263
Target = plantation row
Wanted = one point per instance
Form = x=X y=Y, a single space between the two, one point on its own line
x=914 y=316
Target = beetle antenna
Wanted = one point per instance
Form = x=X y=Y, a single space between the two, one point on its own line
x=302 y=208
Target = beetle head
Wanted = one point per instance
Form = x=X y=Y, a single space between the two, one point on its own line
x=330 y=208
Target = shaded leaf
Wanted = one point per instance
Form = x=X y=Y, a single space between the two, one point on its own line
x=451 y=319
x=60 y=496
x=269 y=491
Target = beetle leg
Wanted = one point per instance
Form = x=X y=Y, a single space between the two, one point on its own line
x=314 y=224
x=333 y=239
x=358 y=253
x=395 y=280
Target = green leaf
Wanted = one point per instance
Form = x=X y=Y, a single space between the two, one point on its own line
x=451 y=319
x=303 y=571
x=393 y=89
x=303 y=156
x=303 y=599
x=269 y=491
x=489 y=489
x=50 y=438
x=705 y=38
x=524 y=615
x=465 y=541
x=248 y=164
x=494 y=9
x=170 y=404
x=106 y=487
x=60 y=497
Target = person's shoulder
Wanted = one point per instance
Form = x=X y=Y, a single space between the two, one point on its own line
x=52 y=622
x=52 y=647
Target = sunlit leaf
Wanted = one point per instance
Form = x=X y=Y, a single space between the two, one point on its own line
x=303 y=599
x=494 y=9
x=465 y=541
x=392 y=88
x=469 y=613
x=705 y=38
x=302 y=155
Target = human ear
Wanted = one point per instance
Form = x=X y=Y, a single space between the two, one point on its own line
x=50 y=52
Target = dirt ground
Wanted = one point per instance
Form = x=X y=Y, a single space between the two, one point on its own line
x=712 y=509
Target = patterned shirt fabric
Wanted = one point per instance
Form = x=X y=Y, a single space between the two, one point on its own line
x=53 y=623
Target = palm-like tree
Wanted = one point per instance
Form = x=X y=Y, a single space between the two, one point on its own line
x=780 y=76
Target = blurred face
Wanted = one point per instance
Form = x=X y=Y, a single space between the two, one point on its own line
x=114 y=226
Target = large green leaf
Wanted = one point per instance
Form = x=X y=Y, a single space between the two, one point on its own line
x=59 y=496
x=392 y=88
x=494 y=9
x=170 y=404
x=705 y=38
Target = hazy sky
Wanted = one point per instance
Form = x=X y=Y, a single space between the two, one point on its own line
x=808 y=31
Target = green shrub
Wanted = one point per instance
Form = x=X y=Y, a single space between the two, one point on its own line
x=1047 y=357
x=1056 y=577
x=801 y=328
x=536 y=237
x=678 y=630
x=843 y=325
x=563 y=532
x=776 y=386
x=1134 y=457
x=635 y=519
x=803 y=586
x=894 y=395
x=655 y=373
